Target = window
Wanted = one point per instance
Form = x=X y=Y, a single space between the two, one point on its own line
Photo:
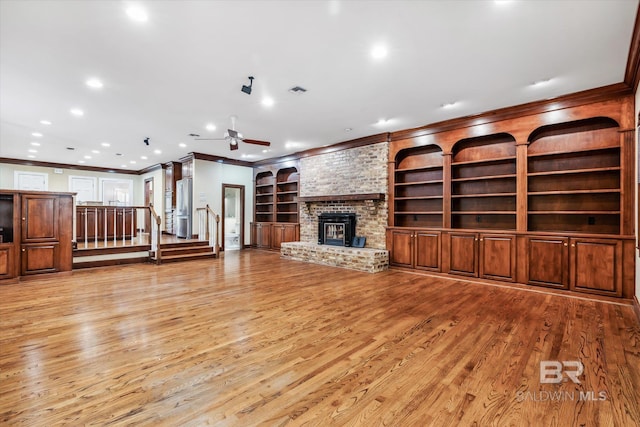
x=116 y=192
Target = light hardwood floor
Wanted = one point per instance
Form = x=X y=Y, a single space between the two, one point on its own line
x=251 y=339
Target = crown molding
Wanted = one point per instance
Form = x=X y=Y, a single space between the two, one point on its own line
x=66 y=166
x=632 y=72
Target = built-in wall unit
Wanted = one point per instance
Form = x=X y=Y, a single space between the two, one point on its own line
x=36 y=233
x=276 y=217
x=541 y=195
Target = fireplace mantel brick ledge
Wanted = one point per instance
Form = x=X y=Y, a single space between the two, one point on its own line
x=362 y=259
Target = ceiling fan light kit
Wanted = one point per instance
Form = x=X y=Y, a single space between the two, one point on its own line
x=233 y=136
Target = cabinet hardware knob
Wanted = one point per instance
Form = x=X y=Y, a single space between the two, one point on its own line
x=566 y=244
x=573 y=245
x=24 y=250
x=24 y=219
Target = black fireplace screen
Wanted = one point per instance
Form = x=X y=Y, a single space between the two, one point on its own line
x=336 y=229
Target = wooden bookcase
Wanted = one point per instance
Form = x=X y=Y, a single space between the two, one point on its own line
x=287 y=181
x=418 y=188
x=573 y=178
x=276 y=216
x=544 y=198
x=264 y=200
x=483 y=183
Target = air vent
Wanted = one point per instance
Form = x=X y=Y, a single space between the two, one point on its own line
x=194 y=135
x=297 y=89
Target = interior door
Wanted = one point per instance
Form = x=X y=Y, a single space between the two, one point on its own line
x=232 y=217
x=148 y=198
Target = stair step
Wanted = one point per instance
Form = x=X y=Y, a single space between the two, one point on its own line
x=187 y=257
x=185 y=250
x=185 y=244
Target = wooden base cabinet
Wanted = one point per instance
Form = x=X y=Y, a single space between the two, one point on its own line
x=37 y=233
x=490 y=256
x=596 y=266
x=580 y=264
x=261 y=235
x=267 y=235
x=548 y=261
x=415 y=249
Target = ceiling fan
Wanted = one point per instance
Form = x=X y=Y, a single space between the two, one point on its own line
x=234 y=137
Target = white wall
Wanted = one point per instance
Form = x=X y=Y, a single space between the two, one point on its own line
x=60 y=181
x=208 y=178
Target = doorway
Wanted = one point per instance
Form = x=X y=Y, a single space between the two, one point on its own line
x=148 y=198
x=233 y=217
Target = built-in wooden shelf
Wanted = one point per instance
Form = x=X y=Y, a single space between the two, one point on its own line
x=342 y=197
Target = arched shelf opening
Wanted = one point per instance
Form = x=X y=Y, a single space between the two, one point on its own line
x=418 y=187
x=574 y=177
x=483 y=183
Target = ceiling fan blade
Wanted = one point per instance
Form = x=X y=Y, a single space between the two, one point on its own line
x=209 y=139
x=257 y=142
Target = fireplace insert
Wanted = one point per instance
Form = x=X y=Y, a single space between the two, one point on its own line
x=336 y=229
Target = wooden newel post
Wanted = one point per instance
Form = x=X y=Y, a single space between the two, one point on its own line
x=217 y=245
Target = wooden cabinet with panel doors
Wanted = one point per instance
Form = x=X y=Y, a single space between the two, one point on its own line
x=543 y=199
x=276 y=209
x=37 y=233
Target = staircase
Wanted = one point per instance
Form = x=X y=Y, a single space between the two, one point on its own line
x=183 y=251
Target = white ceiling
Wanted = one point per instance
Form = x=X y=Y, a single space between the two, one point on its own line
x=185 y=66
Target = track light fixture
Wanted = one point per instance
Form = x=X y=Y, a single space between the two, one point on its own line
x=146 y=141
x=247 y=89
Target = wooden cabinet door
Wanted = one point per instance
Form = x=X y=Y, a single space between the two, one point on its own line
x=401 y=247
x=463 y=254
x=39 y=258
x=277 y=235
x=289 y=233
x=548 y=261
x=498 y=257
x=427 y=250
x=263 y=235
x=596 y=266
x=39 y=218
x=7 y=259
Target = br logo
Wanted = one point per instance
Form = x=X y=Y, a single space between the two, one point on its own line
x=554 y=372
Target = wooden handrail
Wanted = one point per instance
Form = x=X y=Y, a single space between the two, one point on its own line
x=158 y=220
x=210 y=213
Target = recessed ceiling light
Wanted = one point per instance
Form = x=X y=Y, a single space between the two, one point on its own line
x=37 y=134
x=182 y=145
x=502 y=2
x=106 y=144
x=35 y=144
x=77 y=112
x=540 y=83
x=265 y=150
x=379 y=52
x=81 y=161
x=31 y=156
x=33 y=150
x=143 y=157
x=210 y=127
x=348 y=129
x=268 y=101
x=448 y=105
x=138 y=14
x=87 y=157
x=123 y=166
x=133 y=162
x=94 y=83
x=157 y=151
x=45 y=122
x=95 y=151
